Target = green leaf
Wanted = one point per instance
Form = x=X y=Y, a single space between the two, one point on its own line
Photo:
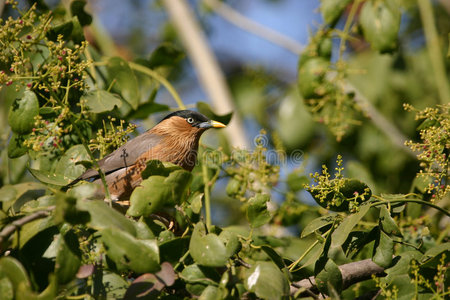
x=332 y=10
x=104 y=217
x=157 y=167
x=205 y=109
x=174 y=249
x=157 y=191
x=266 y=281
x=7 y=193
x=198 y=278
x=317 y=224
x=328 y=276
x=387 y=224
x=31 y=229
x=77 y=9
x=296 y=181
x=77 y=34
x=380 y=22
x=100 y=101
x=147 y=109
x=125 y=80
x=351 y=193
x=383 y=250
x=432 y=255
x=257 y=213
x=166 y=54
x=211 y=293
x=207 y=249
x=50 y=177
x=13 y=270
x=129 y=253
x=339 y=236
x=231 y=242
x=65 y=29
x=22 y=113
x=401 y=265
x=6 y=288
x=196 y=202
x=311 y=76
x=67 y=165
x=115 y=285
x=15 y=145
x=274 y=256
x=66 y=209
x=68 y=259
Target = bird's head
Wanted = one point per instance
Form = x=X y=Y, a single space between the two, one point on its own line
x=186 y=123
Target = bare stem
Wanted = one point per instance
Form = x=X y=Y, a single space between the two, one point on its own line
x=239 y=20
x=207 y=67
x=207 y=195
x=15 y=225
x=161 y=80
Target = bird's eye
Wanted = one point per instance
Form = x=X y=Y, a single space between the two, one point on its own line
x=190 y=120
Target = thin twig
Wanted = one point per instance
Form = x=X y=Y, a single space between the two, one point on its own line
x=239 y=20
x=207 y=195
x=17 y=224
x=208 y=70
x=161 y=80
x=390 y=130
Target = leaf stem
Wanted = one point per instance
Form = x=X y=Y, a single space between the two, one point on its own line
x=413 y=201
x=207 y=195
x=346 y=29
x=160 y=79
x=294 y=264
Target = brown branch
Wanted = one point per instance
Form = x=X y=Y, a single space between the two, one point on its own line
x=15 y=225
x=351 y=273
x=207 y=68
x=241 y=21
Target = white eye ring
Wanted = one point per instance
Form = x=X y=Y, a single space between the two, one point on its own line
x=190 y=120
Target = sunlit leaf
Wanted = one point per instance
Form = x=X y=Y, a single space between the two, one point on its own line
x=129 y=253
x=387 y=223
x=328 y=275
x=157 y=191
x=266 y=281
x=67 y=165
x=22 y=113
x=383 y=250
x=207 y=249
x=100 y=101
x=318 y=223
x=104 y=217
x=380 y=21
x=257 y=213
x=124 y=79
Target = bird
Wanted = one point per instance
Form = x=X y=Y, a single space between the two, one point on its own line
x=174 y=139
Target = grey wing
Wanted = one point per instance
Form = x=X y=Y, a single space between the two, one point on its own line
x=124 y=156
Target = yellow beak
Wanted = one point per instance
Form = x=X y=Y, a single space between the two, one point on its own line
x=216 y=124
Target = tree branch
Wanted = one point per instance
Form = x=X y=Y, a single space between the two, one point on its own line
x=351 y=273
x=206 y=66
x=15 y=225
x=239 y=20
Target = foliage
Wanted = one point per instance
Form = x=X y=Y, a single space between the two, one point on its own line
x=67 y=106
